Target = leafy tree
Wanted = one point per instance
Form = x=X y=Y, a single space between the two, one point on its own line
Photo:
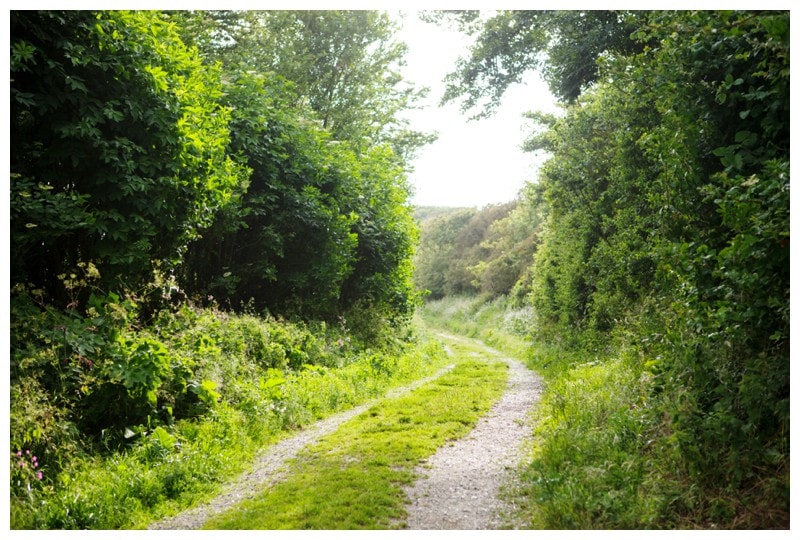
x=469 y=249
x=437 y=250
x=118 y=147
x=285 y=244
x=319 y=229
x=324 y=224
x=668 y=197
x=344 y=65
x=510 y=243
x=381 y=277
x=563 y=45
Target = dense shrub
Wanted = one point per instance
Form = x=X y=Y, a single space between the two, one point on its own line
x=118 y=154
x=127 y=421
x=668 y=228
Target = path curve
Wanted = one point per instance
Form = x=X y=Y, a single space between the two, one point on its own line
x=270 y=467
x=459 y=485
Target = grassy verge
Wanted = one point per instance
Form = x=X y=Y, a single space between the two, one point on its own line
x=588 y=468
x=610 y=453
x=353 y=479
x=171 y=469
x=592 y=463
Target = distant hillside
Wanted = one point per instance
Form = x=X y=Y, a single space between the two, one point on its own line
x=477 y=251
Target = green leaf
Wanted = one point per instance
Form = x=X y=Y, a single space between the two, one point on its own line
x=26 y=98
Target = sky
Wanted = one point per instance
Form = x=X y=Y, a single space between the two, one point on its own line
x=473 y=162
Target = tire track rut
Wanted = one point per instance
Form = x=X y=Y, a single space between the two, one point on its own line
x=459 y=485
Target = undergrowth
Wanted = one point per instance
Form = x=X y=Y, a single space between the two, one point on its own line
x=131 y=423
x=608 y=450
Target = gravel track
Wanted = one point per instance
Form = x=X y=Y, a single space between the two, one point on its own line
x=459 y=485
x=270 y=467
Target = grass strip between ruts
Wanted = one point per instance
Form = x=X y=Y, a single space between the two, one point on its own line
x=354 y=478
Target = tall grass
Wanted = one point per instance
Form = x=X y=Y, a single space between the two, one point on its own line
x=493 y=322
x=266 y=379
x=593 y=461
x=588 y=466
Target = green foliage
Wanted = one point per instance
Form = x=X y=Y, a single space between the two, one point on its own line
x=118 y=153
x=141 y=173
x=424 y=213
x=286 y=239
x=324 y=227
x=437 y=250
x=499 y=323
x=381 y=278
x=662 y=266
x=219 y=179
x=320 y=228
x=141 y=366
x=224 y=386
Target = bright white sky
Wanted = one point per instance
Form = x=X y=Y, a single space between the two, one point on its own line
x=476 y=162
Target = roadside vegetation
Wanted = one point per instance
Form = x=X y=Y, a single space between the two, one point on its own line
x=183 y=405
x=354 y=478
x=657 y=295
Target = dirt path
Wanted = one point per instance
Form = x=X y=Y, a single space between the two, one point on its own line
x=459 y=485
x=270 y=467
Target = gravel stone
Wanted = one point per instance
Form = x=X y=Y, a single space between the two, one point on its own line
x=459 y=485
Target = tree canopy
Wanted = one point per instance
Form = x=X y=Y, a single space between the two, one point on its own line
x=563 y=45
x=261 y=165
x=345 y=65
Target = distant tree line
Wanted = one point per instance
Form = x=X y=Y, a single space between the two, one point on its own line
x=483 y=251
